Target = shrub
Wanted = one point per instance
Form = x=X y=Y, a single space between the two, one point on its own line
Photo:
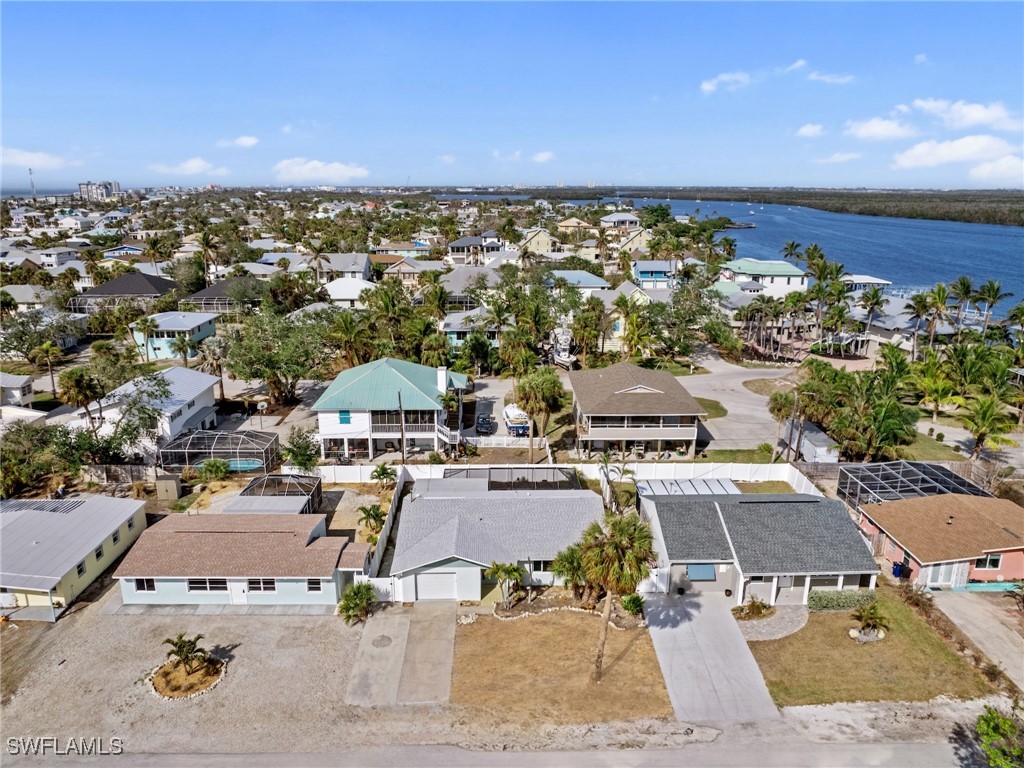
x=916 y=596
x=941 y=436
x=214 y=469
x=831 y=600
x=755 y=608
x=764 y=448
x=633 y=604
x=870 y=617
x=931 y=431
x=1001 y=736
x=357 y=602
x=188 y=474
x=435 y=458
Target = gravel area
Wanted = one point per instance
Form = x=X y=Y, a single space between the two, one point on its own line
x=787 y=620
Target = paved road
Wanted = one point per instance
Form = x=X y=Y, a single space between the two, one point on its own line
x=979 y=620
x=748 y=423
x=709 y=671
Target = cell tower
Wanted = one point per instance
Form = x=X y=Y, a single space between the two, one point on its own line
x=32 y=183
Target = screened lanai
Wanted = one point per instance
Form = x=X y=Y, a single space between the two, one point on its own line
x=896 y=480
x=246 y=451
x=279 y=494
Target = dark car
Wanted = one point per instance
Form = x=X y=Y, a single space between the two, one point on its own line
x=485 y=425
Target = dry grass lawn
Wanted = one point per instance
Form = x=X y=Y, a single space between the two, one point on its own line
x=174 y=683
x=820 y=664
x=768 y=387
x=768 y=486
x=540 y=668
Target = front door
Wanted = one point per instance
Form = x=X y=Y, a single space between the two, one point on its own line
x=785 y=582
x=940 y=575
x=237 y=592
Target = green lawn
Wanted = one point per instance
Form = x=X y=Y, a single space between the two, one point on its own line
x=18 y=367
x=677 y=367
x=820 y=664
x=714 y=408
x=742 y=456
x=945 y=420
x=46 y=402
x=766 y=486
x=929 y=449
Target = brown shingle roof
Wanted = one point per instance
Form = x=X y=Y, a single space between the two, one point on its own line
x=628 y=389
x=354 y=556
x=980 y=524
x=224 y=546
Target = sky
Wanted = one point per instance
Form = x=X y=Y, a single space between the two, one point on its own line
x=891 y=95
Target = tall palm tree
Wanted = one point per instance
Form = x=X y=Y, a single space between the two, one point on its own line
x=938 y=310
x=146 y=326
x=936 y=392
x=990 y=293
x=917 y=308
x=436 y=350
x=211 y=355
x=153 y=250
x=349 y=334
x=47 y=354
x=617 y=554
x=80 y=389
x=8 y=305
x=962 y=292
x=791 y=252
x=987 y=423
x=871 y=301
x=317 y=258
x=209 y=248
x=540 y=394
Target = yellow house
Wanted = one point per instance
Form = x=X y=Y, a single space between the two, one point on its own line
x=52 y=550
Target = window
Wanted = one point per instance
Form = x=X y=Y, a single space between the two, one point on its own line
x=541 y=566
x=207 y=585
x=262 y=585
x=99 y=552
x=313 y=585
x=116 y=537
x=757 y=578
x=344 y=417
x=80 y=568
x=145 y=585
x=191 y=404
x=989 y=562
x=131 y=523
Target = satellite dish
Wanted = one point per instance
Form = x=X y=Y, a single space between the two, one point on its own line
x=261 y=406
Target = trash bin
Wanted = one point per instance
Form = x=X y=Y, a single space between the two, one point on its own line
x=897 y=569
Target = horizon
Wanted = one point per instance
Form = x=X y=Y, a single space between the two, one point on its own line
x=353 y=95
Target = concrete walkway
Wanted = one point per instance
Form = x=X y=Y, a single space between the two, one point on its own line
x=787 y=620
x=378 y=666
x=980 y=621
x=709 y=671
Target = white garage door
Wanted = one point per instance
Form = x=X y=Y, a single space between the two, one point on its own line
x=435 y=586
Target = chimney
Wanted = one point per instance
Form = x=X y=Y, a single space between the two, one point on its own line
x=950 y=521
x=442 y=379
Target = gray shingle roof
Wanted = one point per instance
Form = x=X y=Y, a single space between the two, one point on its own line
x=499 y=526
x=691 y=529
x=132 y=284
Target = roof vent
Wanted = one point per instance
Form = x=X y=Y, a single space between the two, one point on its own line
x=950 y=520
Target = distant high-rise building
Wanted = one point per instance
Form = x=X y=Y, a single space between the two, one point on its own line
x=98 y=192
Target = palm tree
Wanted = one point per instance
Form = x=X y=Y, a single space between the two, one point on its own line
x=8 y=305
x=384 y=474
x=540 y=394
x=962 y=292
x=917 y=308
x=211 y=355
x=616 y=554
x=209 y=248
x=436 y=350
x=936 y=392
x=871 y=619
x=317 y=258
x=79 y=388
x=791 y=251
x=47 y=354
x=780 y=406
x=568 y=566
x=987 y=424
x=146 y=326
x=372 y=517
x=990 y=293
x=153 y=250
x=186 y=651
x=871 y=301
x=938 y=310
x=182 y=345
x=509 y=576
x=349 y=334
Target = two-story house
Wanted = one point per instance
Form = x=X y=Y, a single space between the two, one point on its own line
x=409 y=271
x=778 y=277
x=458 y=325
x=55 y=257
x=473 y=249
x=368 y=409
x=193 y=326
x=539 y=241
x=625 y=408
x=655 y=273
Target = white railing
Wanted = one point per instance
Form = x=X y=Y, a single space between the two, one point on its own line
x=500 y=441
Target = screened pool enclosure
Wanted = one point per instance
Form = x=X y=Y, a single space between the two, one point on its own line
x=247 y=451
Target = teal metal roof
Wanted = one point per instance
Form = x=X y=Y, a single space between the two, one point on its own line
x=375 y=387
x=764 y=267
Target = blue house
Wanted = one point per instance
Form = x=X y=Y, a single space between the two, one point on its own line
x=195 y=326
x=458 y=325
x=585 y=281
x=655 y=273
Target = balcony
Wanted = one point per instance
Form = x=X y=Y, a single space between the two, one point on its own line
x=391 y=428
x=639 y=428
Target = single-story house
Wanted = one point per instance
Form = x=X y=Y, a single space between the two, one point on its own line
x=194 y=326
x=777 y=547
x=240 y=559
x=586 y=282
x=950 y=539
x=450 y=531
x=15 y=389
x=347 y=292
x=133 y=286
x=52 y=550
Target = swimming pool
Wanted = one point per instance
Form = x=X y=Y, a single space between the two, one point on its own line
x=988 y=586
x=240 y=465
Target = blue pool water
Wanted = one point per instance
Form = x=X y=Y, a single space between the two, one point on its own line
x=988 y=586
x=241 y=465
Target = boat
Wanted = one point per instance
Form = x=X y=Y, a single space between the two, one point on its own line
x=564 y=358
x=517 y=421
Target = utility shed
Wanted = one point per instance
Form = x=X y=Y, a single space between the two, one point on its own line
x=812 y=444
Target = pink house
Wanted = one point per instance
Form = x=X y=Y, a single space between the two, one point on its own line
x=949 y=539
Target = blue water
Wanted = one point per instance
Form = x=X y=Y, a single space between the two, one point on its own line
x=240 y=465
x=909 y=252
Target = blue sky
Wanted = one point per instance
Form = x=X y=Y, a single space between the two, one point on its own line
x=802 y=94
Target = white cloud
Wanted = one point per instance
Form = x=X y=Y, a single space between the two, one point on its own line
x=286 y=128
x=543 y=157
x=810 y=130
x=446 y=159
x=39 y=161
x=902 y=109
x=798 y=64
x=299 y=170
x=878 y=129
x=961 y=114
x=194 y=166
x=245 y=142
x=1008 y=169
x=921 y=58
x=928 y=154
x=821 y=77
x=838 y=157
x=512 y=157
x=730 y=81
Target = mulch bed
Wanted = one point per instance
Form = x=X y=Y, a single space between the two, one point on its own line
x=173 y=683
x=551 y=599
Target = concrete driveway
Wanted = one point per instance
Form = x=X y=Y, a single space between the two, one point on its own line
x=709 y=671
x=981 y=620
x=405 y=656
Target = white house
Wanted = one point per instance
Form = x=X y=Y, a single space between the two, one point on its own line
x=346 y=291
x=778 y=277
x=15 y=389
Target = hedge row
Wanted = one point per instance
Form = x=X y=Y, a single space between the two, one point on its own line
x=831 y=600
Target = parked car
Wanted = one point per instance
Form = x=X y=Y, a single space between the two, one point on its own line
x=485 y=425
